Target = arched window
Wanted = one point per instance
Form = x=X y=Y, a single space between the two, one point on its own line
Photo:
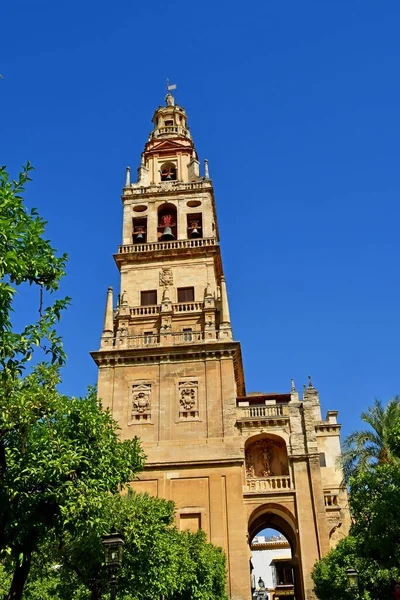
x=166 y=227
x=168 y=172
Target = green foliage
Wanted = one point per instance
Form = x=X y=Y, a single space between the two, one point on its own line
x=372 y=546
x=205 y=566
x=372 y=469
x=377 y=445
x=375 y=504
x=25 y=257
x=62 y=465
x=58 y=467
x=159 y=561
x=59 y=457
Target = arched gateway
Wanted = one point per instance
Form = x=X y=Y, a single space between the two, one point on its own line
x=171 y=373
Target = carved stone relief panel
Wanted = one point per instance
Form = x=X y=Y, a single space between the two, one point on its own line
x=188 y=399
x=166 y=277
x=140 y=403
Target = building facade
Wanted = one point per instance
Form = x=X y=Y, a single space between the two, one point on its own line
x=171 y=373
x=272 y=569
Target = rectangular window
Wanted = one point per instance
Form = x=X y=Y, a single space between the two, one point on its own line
x=186 y=294
x=148 y=298
x=284 y=573
x=322 y=459
x=169 y=123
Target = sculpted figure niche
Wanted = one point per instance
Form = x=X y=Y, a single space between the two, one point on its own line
x=265 y=458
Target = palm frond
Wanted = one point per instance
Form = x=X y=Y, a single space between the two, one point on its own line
x=364 y=449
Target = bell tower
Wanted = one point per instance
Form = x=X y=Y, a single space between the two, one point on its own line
x=169 y=369
x=171 y=373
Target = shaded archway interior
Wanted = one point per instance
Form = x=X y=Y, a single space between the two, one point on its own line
x=278 y=517
x=273 y=521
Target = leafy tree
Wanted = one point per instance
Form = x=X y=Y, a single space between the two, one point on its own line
x=62 y=466
x=372 y=545
x=159 y=561
x=204 y=573
x=58 y=456
x=377 y=445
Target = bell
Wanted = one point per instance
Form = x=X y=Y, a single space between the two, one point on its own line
x=168 y=176
x=167 y=234
x=139 y=237
x=195 y=233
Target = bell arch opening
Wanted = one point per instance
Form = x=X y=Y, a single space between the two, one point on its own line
x=167 y=223
x=168 y=171
x=274 y=554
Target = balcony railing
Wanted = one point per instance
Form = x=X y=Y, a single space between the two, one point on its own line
x=162 y=339
x=187 y=307
x=268 y=484
x=263 y=411
x=144 y=311
x=171 y=129
x=157 y=246
x=180 y=307
x=173 y=186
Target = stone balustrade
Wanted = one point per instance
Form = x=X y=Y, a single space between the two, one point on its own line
x=174 y=186
x=263 y=411
x=187 y=307
x=273 y=483
x=180 y=307
x=172 y=245
x=170 y=129
x=161 y=339
x=144 y=311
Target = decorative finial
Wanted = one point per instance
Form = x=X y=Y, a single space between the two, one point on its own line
x=206 y=173
x=293 y=386
x=310 y=385
x=124 y=298
x=128 y=177
x=304 y=387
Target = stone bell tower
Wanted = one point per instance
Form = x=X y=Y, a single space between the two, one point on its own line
x=171 y=374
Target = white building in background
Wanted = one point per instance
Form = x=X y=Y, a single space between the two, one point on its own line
x=272 y=574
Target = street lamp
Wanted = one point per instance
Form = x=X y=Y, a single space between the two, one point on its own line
x=352 y=579
x=113 y=549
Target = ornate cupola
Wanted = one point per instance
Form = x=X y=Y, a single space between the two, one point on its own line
x=169 y=154
x=170 y=121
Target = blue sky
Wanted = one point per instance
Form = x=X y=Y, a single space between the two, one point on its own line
x=295 y=104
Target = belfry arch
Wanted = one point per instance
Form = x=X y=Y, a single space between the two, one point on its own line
x=279 y=517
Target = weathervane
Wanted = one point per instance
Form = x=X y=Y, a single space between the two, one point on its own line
x=170 y=86
x=169 y=99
